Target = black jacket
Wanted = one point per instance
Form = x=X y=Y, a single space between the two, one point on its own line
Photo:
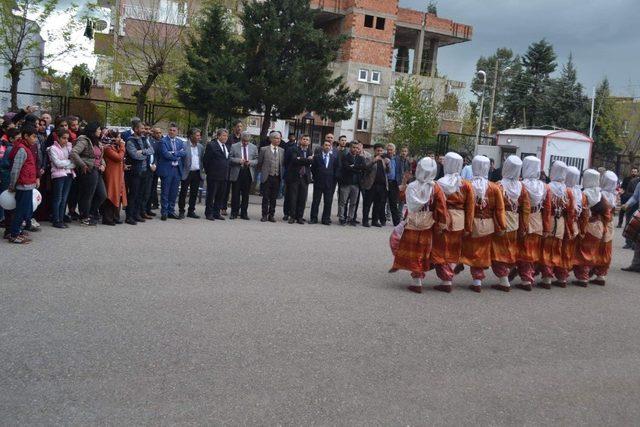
x=325 y=176
x=216 y=164
x=295 y=161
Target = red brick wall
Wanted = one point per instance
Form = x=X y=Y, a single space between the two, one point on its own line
x=368 y=52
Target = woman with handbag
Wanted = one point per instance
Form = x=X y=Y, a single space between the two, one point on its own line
x=504 y=247
x=563 y=217
x=427 y=208
x=595 y=235
x=447 y=247
x=489 y=218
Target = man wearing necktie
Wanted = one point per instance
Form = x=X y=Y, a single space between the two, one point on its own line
x=216 y=166
x=271 y=167
x=298 y=161
x=325 y=172
x=169 y=170
x=243 y=160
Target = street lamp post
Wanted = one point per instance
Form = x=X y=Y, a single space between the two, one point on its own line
x=482 y=75
x=493 y=94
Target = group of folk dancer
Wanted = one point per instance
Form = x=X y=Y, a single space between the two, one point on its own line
x=515 y=227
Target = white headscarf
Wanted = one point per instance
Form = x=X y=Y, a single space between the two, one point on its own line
x=452 y=165
x=531 y=180
x=573 y=183
x=419 y=192
x=609 y=184
x=480 y=167
x=557 y=175
x=510 y=178
x=591 y=186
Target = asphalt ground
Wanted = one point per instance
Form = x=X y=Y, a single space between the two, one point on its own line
x=242 y=322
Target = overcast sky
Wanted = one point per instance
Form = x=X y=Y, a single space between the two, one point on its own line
x=602 y=35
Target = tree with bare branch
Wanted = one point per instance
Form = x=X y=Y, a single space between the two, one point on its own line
x=20 y=41
x=150 y=46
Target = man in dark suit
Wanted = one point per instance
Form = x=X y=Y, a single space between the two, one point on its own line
x=243 y=159
x=192 y=173
x=325 y=170
x=298 y=161
x=271 y=167
x=216 y=166
x=170 y=171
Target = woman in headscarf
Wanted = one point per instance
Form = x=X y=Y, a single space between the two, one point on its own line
x=447 y=247
x=504 y=247
x=427 y=208
x=489 y=218
x=563 y=216
x=597 y=234
x=539 y=225
x=582 y=218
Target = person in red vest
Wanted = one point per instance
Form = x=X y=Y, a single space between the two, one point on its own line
x=23 y=180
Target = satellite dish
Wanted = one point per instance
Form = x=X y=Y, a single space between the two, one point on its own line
x=100 y=25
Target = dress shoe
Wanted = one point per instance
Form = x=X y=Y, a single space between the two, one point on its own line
x=416 y=289
x=263 y=219
x=458 y=269
x=130 y=221
x=193 y=215
x=631 y=269
x=163 y=218
x=300 y=221
x=376 y=224
x=58 y=225
x=173 y=216
x=223 y=212
x=145 y=216
x=107 y=223
x=524 y=287
x=313 y=221
x=181 y=215
x=285 y=218
x=245 y=217
x=291 y=220
x=366 y=224
x=139 y=219
x=220 y=217
x=476 y=288
x=599 y=282
x=580 y=283
x=151 y=213
x=502 y=288
x=326 y=222
x=443 y=288
x=352 y=223
x=67 y=219
x=271 y=218
x=210 y=218
x=343 y=222
x=544 y=285
x=559 y=283
x=117 y=221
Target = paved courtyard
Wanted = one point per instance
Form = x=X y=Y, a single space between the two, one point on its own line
x=240 y=322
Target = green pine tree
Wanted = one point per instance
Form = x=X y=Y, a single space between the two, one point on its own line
x=212 y=82
x=565 y=104
x=288 y=61
x=539 y=62
x=608 y=122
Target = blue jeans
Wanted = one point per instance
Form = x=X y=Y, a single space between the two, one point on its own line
x=169 y=192
x=60 y=193
x=23 y=210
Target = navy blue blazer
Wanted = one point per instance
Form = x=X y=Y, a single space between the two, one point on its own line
x=215 y=162
x=167 y=156
x=322 y=175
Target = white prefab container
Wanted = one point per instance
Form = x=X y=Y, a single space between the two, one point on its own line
x=573 y=148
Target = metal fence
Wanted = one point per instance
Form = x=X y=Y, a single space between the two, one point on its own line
x=111 y=112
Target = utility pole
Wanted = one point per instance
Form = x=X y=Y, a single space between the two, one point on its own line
x=483 y=75
x=493 y=95
x=116 y=34
x=593 y=105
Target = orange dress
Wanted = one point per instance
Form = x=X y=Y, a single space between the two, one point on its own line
x=447 y=246
x=504 y=248
x=476 y=251
x=530 y=245
x=563 y=216
x=595 y=251
x=570 y=246
x=414 y=250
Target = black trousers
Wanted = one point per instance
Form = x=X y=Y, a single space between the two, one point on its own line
x=190 y=185
x=367 y=201
x=91 y=193
x=326 y=193
x=270 y=189
x=132 y=179
x=623 y=200
x=227 y=192
x=153 y=201
x=394 y=202
x=145 y=191
x=216 y=193
x=240 y=193
x=286 y=205
x=110 y=212
x=297 y=192
x=379 y=198
x=72 y=200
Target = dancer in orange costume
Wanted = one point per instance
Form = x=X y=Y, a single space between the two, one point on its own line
x=562 y=227
x=427 y=209
x=447 y=247
x=489 y=218
x=582 y=218
x=504 y=247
